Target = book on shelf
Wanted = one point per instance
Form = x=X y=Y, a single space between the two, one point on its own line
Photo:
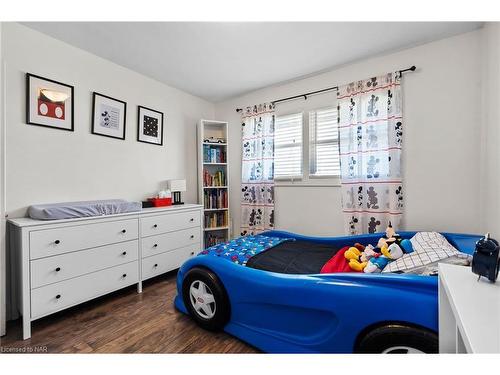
x=216 y=179
x=213 y=199
x=213 y=154
x=212 y=239
x=216 y=219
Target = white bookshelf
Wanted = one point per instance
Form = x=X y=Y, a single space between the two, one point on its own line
x=215 y=167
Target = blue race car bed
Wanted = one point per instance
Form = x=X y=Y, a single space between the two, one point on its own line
x=295 y=309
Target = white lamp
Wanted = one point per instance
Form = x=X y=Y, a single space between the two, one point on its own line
x=176 y=186
x=54 y=96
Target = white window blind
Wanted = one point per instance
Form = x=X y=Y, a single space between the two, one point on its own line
x=288 y=146
x=324 y=157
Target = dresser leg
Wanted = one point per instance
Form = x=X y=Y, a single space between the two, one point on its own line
x=26 y=328
x=139 y=287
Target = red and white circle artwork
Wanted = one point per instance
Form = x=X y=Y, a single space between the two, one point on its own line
x=59 y=112
x=55 y=110
x=43 y=109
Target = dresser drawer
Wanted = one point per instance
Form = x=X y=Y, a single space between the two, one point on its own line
x=50 y=242
x=169 y=241
x=58 y=296
x=169 y=222
x=57 y=268
x=165 y=262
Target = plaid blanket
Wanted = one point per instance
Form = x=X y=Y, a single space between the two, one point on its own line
x=428 y=248
x=241 y=249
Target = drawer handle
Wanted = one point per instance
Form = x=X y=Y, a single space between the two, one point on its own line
x=124 y=231
x=155 y=226
x=124 y=275
x=57 y=242
x=58 y=269
x=192 y=236
x=58 y=296
x=156 y=265
x=192 y=219
x=155 y=245
x=124 y=253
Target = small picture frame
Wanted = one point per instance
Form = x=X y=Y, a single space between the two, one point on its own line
x=49 y=103
x=150 y=126
x=109 y=116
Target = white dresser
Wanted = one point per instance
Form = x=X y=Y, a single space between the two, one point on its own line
x=59 y=264
x=469 y=312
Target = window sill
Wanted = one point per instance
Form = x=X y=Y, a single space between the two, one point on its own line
x=324 y=177
x=318 y=182
x=288 y=179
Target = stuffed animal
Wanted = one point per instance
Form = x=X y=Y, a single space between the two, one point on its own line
x=359 y=255
x=373 y=260
x=389 y=254
x=406 y=246
x=354 y=252
x=390 y=237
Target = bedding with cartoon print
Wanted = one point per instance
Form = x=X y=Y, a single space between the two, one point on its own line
x=292 y=256
x=241 y=249
x=275 y=254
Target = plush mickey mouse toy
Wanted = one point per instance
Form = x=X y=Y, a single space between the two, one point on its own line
x=392 y=247
x=373 y=260
x=390 y=237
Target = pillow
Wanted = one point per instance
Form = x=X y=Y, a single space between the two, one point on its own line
x=429 y=247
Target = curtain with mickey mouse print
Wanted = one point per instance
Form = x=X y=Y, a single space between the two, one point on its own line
x=370 y=141
x=257 y=169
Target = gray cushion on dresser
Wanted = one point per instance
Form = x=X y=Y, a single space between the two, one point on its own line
x=72 y=210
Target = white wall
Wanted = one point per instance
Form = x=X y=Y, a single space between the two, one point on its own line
x=46 y=165
x=442 y=117
x=490 y=163
x=442 y=112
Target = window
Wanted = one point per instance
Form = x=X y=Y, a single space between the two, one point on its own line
x=288 y=146
x=312 y=157
x=324 y=157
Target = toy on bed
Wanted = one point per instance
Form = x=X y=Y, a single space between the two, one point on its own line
x=359 y=255
x=373 y=260
x=389 y=254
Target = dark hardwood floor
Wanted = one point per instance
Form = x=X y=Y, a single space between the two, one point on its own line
x=123 y=322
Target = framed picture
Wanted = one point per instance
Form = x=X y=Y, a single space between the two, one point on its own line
x=150 y=126
x=108 y=116
x=49 y=103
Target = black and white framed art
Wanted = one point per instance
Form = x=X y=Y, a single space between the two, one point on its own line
x=150 y=126
x=49 y=103
x=108 y=116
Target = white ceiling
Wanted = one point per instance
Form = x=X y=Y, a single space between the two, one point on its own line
x=216 y=60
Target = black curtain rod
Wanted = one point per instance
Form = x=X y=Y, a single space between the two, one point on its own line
x=410 y=69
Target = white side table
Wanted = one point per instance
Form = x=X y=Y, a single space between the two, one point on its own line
x=469 y=312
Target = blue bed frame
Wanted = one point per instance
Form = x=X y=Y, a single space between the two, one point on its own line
x=321 y=313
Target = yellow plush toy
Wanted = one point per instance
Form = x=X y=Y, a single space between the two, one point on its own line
x=353 y=255
x=358 y=256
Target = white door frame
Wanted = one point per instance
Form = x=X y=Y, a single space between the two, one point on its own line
x=3 y=265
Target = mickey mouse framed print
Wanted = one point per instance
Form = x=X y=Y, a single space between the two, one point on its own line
x=109 y=116
x=49 y=103
x=150 y=126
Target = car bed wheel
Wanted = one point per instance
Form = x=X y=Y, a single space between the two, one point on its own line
x=206 y=299
x=399 y=339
